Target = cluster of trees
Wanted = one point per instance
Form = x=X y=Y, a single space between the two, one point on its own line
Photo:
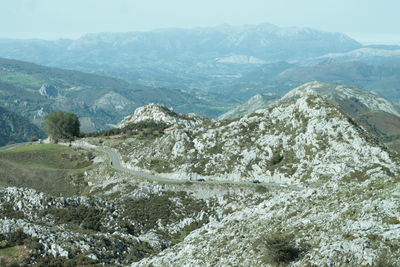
x=62 y=126
x=65 y=126
x=140 y=129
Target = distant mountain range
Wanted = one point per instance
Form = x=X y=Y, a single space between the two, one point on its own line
x=203 y=70
x=281 y=77
x=238 y=61
x=180 y=58
x=15 y=128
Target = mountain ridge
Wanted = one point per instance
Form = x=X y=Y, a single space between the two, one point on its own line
x=378 y=115
x=15 y=128
x=180 y=58
x=276 y=144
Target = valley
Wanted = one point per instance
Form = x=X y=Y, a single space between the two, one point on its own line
x=253 y=145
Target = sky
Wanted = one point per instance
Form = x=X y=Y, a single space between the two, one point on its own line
x=369 y=21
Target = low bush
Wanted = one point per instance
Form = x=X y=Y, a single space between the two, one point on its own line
x=7 y=211
x=141 y=215
x=261 y=189
x=276 y=158
x=278 y=249
x=80 y=216
x=384 y=260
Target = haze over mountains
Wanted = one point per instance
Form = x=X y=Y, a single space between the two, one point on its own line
x=180 y=58
x=34 y=91
x=236 y=60
x=186 y=172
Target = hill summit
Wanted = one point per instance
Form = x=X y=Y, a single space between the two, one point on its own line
x=297 y=141
x=351 y=99
x=160 y=113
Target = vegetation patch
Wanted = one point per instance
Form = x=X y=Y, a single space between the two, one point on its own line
x=17 y=249
x=78 y=217
x=53 y=169
x=141 y=215
x=160 y=165
x=278 y=249
x=48 y=157
x=179 y=237
x=143 y=130
x=7 y=211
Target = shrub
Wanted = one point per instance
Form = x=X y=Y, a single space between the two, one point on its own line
x=276 y=158
x=80 y=216
x=278 y=248
x=62 y=125
x=79 y=260
x=141 y=215
x=9 y=212
x=11 y=239
x=384 y=260
x=261 y=189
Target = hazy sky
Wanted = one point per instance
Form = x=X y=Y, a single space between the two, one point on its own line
x=52 y=19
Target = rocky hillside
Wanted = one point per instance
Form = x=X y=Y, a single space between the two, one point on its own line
x=352 y=100
x=120 y=219
x=376 y=114
x=351 y=224
x=256 y=102
x=297 y=141
x=16 y=128
x=343 y=210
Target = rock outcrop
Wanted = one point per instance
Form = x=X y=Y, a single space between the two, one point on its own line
x=297 y=141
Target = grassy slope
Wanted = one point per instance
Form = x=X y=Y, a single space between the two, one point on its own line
x=52 y=169
x=14 y=255
x=383 y=125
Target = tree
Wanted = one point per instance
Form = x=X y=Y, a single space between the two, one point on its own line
x=62 y=125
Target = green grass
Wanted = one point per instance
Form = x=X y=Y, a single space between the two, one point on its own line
x=46 y=157
x=53 y=169
x=22 y=79
x=9 y=252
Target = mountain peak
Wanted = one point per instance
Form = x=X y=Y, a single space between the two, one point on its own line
x=351 y=99
x=152 y=111
x=160 y=113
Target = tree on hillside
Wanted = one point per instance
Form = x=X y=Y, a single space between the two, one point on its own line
x=62 y=126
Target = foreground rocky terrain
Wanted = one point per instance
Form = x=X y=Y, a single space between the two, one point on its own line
x=119 y=220
x=343 y=209
x=351 y=224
